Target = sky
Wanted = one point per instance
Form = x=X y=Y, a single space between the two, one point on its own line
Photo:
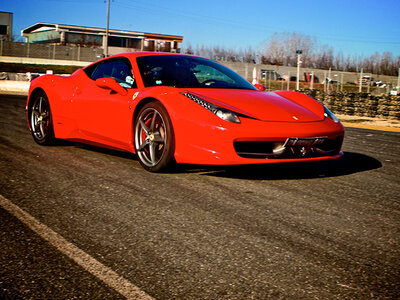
x=353 y=27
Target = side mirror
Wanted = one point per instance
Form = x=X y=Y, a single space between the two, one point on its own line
x=111 y=84
x=260 y=87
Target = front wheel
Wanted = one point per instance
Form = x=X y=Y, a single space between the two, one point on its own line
x=154 y=138
x=40 y=120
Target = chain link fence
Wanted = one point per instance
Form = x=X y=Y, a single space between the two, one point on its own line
x=48 y=51
x=284 y=78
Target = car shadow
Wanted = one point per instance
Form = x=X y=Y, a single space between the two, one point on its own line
x=349 y=163
x=102 y=149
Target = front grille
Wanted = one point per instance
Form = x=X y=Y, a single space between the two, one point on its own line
x=332 y=145
x=253 y=149
x=279 y=149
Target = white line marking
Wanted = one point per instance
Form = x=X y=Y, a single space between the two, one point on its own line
x=108 y=276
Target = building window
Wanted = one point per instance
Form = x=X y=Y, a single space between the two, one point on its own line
x=3 y=29
x=124 y=42
x=83 y=39
x=149 y=45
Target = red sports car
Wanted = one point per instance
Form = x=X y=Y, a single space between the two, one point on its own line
x=172 y=108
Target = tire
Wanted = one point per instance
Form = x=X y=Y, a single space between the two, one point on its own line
x=40 y=120
x=154 y=138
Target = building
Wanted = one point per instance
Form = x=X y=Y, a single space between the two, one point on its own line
x=6 y=20
x=118 y=40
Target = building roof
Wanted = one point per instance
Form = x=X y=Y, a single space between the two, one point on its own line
x=94 y=30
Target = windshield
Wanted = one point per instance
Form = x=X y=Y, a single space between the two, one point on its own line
x=188 y=72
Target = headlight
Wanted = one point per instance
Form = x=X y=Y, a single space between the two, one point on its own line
x=223 y=113
x=329 y=114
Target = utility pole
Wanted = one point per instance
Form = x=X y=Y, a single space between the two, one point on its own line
x=398 y=82
x=341 y=82
x=329 y=80
x=369 y=83
x=298 y=52
x=361 y=76
x=269 y=82
x=312 y=80
x=107 y=28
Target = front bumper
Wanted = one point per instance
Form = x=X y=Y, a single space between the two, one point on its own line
x=253 y=142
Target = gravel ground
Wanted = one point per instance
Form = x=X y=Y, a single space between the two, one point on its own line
x=370 y=123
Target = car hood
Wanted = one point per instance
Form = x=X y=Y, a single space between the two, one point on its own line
x=266 y=106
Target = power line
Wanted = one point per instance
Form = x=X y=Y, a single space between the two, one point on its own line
x=245 y=25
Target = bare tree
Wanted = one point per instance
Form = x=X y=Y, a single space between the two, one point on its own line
x=281 y=48
x=17 y=38
x=188 y=49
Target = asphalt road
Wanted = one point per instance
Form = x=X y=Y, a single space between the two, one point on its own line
x=312 y=231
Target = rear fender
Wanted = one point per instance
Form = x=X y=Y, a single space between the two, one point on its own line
x=59 y=91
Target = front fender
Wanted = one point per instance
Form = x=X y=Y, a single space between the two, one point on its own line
x=190 y=121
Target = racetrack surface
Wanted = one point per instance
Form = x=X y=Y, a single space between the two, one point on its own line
x=326 y=230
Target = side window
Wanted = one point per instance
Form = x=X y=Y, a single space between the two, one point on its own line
x=206 y=73
x=117 y=69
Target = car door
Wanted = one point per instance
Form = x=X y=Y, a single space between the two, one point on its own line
x=104 y=115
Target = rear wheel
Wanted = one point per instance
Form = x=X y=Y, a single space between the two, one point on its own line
x=40 y=120
x=154 y=138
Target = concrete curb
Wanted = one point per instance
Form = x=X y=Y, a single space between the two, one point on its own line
x=14 y=86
